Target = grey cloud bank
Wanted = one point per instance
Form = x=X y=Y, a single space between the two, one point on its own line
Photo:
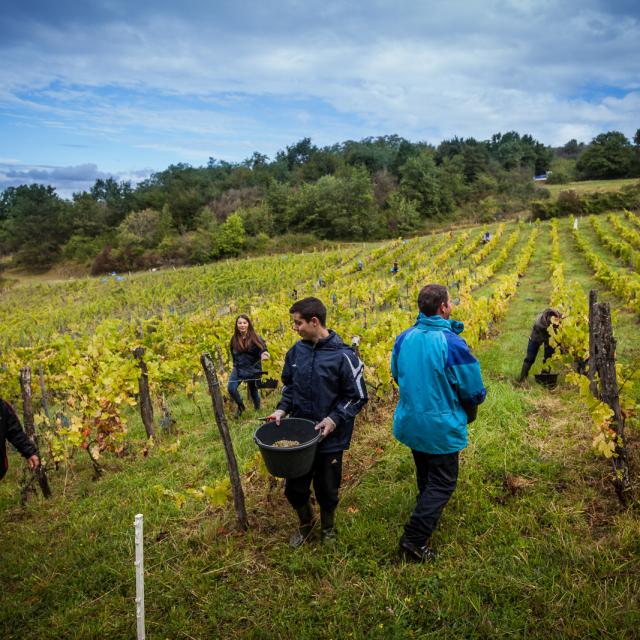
x=67 y=180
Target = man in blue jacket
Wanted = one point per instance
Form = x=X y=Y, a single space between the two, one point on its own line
x=323 y=381
x=440 y=383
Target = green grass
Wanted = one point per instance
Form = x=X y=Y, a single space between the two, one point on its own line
x=532 y=545
x=589 y=186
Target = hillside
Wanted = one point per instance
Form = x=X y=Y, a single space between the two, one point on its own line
x=372 y=189
x=533 y=544
x=590 y=186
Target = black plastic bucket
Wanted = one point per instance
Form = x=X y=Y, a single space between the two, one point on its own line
x=548 y=380
x=288 y=462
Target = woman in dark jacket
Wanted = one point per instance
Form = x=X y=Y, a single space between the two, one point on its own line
x=248 y=350
x=11 y=430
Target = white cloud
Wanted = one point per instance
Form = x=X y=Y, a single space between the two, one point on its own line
x=191 y=79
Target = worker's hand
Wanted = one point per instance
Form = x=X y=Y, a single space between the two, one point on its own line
x=326 y=426
x=34 y=462
x=276 y=416
x=264 y=355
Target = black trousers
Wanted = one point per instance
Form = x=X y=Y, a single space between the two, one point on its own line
x=533 y=348
x=232 y=388
x=326 y=475
x=437 y=475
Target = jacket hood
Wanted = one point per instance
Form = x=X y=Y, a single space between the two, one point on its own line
x=438 y=322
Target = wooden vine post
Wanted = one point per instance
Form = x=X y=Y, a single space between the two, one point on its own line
x=43 y=393
x=221 y=420
x=593 y=299
x=220 y=359
x=30 y=428
x=604 y=349
x=146 y=406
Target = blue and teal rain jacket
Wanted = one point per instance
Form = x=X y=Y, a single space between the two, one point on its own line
x=435 y=372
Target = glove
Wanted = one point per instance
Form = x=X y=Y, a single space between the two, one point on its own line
x=471 y=410
x=326 y=426
x=276 y=416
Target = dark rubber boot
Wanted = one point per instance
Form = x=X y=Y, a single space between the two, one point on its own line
x=305 y=515
x=416 y=553
x=524 y=372
x=328 y=532
x=240 y=410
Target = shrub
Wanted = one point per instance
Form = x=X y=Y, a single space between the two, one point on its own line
x=229 y=239
x=81 y=248
x=144 y=228
x=195 y=247
x=558 y=177
x=487 y=209
x=257 y=220
x=105 y=262
x=257 y=243
x=570 y=203
x=402 y=217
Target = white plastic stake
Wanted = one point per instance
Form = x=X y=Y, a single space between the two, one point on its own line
x=139 y=564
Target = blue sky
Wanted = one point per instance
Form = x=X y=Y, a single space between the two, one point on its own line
x=92 y=89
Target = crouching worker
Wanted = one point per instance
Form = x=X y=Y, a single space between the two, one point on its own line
x=540 y=336
x=440 y=388
x=11 y=430
x=323 y=381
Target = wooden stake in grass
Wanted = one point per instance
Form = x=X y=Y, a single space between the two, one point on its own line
x=30 y=427
x=605 y=354
x=146 y=406
x=232 y=465
x=138 y=524
x=43 y=393
x=593 y=299
x=220 y=359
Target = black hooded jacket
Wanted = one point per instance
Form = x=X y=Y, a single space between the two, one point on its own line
x=323 y=380
x=248 y=364
x=540 y=330
x=11 y=430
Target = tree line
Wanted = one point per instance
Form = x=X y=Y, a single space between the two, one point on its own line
x=370 y=189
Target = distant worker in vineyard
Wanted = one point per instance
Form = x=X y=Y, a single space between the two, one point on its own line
x=440 y=389
x=248 y=350
x=395 y=268
x=11 y=430
x=323 y=381
x=540 y=336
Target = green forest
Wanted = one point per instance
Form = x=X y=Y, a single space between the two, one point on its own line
x=370 y=189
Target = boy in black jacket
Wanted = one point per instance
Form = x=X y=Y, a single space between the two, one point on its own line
x=323 y=381
x=11 y=430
